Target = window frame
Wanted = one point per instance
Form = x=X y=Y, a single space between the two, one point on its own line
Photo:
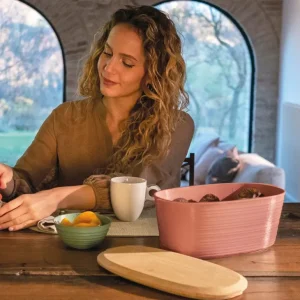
x=251 y=56
x=64 y=98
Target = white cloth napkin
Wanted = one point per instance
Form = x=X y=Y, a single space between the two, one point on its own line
x=45 y=225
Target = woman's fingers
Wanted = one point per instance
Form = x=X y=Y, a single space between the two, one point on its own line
x=13 y=213
x=15 y=222
x=13 y=216
x=10 y=206
x=23 y=225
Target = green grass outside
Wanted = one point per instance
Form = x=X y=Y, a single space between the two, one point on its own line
x=13 y=145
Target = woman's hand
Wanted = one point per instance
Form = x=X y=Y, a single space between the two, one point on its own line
x=27 y=210
x=6 y=176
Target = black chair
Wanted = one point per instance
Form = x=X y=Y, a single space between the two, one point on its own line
x=190 y=161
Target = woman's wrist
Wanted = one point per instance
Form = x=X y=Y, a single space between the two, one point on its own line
x=7 y=192
x=80 y=197
x=10 y=185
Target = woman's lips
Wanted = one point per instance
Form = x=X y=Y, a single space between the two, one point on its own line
x=108 y=82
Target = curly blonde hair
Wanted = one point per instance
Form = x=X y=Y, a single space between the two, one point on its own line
x=146 y=134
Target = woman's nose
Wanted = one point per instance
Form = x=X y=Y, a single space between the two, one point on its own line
x=110 y=65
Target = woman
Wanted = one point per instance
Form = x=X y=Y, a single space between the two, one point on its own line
x=131 y=122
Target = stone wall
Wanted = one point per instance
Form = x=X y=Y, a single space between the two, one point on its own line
x=76 y=22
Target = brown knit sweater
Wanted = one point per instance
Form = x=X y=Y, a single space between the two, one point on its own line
x=73 y=146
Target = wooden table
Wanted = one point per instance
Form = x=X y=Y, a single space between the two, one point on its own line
x=39 y=266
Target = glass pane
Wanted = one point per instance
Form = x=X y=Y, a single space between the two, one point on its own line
x=218 y=71
x=31 y=76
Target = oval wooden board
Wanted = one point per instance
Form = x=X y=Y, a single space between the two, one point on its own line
x=173 y=272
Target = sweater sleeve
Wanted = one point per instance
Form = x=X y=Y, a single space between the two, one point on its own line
x=166 y=172
x=101 y=187
x=36 y=169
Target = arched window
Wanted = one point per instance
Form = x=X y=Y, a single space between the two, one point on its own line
x=31 y=76
x=220 y=70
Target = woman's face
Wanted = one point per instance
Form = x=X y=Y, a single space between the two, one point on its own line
x=121 y=64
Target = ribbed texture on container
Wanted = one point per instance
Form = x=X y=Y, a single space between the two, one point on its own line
x=215 y=229
x=82 y=237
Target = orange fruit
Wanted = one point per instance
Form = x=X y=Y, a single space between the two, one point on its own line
x=92 y=224
x=66 y=222
x=88 y=217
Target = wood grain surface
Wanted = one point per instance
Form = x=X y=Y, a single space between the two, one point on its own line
x=40 y=266
x=116 y=288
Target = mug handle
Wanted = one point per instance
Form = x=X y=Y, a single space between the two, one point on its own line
x=151 y=189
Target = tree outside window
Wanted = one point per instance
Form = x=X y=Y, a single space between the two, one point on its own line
x=219 y=70
x=31 y=76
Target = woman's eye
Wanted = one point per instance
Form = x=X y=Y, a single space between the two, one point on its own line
x=107 y=54
x=127 y=65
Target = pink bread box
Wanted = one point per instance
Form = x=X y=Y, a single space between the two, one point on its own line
x=216 y=229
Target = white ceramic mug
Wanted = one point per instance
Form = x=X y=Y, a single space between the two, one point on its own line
x=128 y=195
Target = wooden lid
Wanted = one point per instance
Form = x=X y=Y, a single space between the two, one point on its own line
x=173 y=272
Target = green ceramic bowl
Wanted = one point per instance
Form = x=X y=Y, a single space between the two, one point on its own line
x=82 y=237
